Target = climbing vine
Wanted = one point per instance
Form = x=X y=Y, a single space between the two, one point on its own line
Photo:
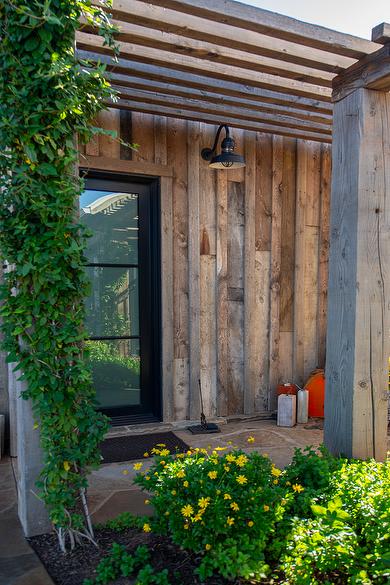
x=46 y=97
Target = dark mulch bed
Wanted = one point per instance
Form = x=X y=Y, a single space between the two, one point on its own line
x=73 y=568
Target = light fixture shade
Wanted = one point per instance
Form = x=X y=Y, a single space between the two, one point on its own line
x=227 y=160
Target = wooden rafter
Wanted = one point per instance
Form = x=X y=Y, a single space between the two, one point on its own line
x=173 y=112
x=269 y=23
x=173 y=78
x=146 y=37
x=154 y=16
x=216 y=70
x=240 y=113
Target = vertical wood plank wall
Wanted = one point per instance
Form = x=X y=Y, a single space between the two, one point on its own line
x=250 y=260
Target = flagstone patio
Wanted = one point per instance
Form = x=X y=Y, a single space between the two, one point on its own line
x=112 y=490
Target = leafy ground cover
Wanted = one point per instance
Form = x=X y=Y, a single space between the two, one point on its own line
x=225 y=516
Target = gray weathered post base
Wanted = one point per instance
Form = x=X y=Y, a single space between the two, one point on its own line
x=32 y=512
x=358 y=344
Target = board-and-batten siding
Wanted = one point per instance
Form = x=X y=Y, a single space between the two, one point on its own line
x=248 y=255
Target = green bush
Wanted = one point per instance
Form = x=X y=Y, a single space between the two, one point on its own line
x=321 y=520
x=348 y=541
x=223 y=505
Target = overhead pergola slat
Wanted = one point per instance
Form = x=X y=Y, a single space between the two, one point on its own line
x=135 y=83
x=220 y=110
x=221 y=60
x=269 y=23
x=156 y=17
x=196 y=66
x=147 y=37
x=127 y=67
x=173 y=112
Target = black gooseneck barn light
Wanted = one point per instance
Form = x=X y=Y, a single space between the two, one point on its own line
x=227 y=159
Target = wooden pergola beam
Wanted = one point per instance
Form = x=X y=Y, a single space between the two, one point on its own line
x=192 y=65
x=239 y=113
x=153 y=16
x=381 y=33
x=173 y=112
x=135 y=83
x=371 y=72
x=146 y=37
x=201 y=83
x=269 y=23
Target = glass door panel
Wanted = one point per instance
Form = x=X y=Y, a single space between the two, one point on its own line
x=121 y=309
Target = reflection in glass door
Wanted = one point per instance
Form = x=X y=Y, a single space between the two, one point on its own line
x=122 y=309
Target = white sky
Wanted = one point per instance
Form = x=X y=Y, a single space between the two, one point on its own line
x=356 y=17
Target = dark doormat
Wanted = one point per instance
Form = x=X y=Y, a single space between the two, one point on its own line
x=130 y=447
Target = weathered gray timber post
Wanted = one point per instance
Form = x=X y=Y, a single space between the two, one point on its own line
x=358 y=344
x=32 y=511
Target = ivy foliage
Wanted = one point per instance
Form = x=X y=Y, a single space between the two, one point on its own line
x=46 y=97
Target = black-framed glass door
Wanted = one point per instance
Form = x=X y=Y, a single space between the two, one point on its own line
x=122 y=311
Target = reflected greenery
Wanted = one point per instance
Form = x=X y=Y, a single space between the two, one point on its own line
x=115 y=375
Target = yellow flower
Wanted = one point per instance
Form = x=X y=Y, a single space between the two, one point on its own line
x=297 y=488
x=161 y=445
x=155 y=451
x=146 y=528
x=220 y=448
x=146 y=454
x=208 y=546
x=180 y=473
x=187 y=510
x=137 y=465
x=227 y=497
x=288 y=482
x=234 y=506
x=186 y=526
x=180 y=455
x=186 y=484
x=226 y=468
x=163 y=463
x=197 y=517
x=164 y=452
x=147 y=477
x=125 y=472
x=251 y=439
x=229 y=521
x=276 y=481
x=173 y=492
x=203 y=502
x=212 y=474
x=241 y=460
x=241 y=479
x=276 y=472
x=146 y=502
x=266 y=508
x=250 y=523
x=230 y=458
x=66 y=465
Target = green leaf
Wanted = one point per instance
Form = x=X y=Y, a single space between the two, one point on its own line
x=47 y=169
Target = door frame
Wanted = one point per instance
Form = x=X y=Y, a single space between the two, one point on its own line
x=150 y=316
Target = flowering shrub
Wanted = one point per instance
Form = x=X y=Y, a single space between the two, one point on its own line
x=222 y=504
